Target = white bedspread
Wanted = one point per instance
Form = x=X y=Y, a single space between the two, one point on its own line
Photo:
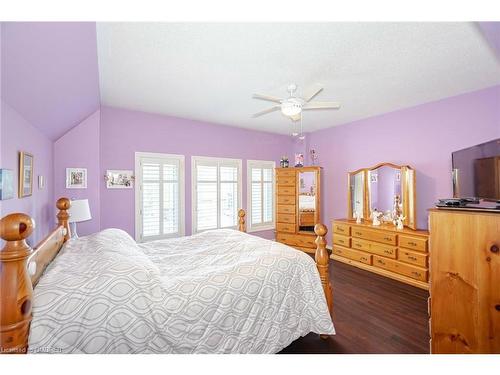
x=216 y=292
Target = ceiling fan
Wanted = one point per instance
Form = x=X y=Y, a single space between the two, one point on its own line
x=293 y=106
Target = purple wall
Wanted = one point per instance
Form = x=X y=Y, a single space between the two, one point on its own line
x=423 y=137
x=19 y=135
x=50 y=73
x=124 y=132
x=79 y=148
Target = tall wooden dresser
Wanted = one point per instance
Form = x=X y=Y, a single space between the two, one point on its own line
x=288 y=213
x=464 y=305
x=399 y=254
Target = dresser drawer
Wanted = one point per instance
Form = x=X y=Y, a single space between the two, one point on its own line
x=416 y=273
x=386 y=264
x=282 y=227
x=297 y=240
x=286 y=209
x=285 y=173
x=286 y=190
x=343 y=229
x=413 y=243
x=358 y=256
x=285 y=218
x=288 y=239
x=306 y=241
x=341 y=240
x=411 y=257
x=285 y=180
x=374 y=235
x=374 y=248
x=286 y=199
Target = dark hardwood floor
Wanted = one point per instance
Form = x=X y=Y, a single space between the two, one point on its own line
x=371 y=314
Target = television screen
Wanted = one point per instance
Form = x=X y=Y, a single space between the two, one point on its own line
x=476 y=171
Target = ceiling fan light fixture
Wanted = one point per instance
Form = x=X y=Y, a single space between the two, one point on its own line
x=290 y=109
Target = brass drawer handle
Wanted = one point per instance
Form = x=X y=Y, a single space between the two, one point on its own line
x=380 y=262
x=357 y=245
x=412 y=243
x=416 y=273
x=340 y=229
x=363 y=258
x=388 y=251
x=412 y=258
x=388 y=238
x=358 y=233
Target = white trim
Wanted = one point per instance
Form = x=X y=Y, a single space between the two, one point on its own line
x=259 y=227
x=214 y=161
x=138 y=189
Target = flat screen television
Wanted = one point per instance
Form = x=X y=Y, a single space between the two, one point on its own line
x=476 y=171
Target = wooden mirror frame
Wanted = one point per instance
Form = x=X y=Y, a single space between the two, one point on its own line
x=408 y=193
x=317 y=213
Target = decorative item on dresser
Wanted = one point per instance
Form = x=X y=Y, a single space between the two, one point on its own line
x=399 y=254
x=298 y=206
x=464 y=303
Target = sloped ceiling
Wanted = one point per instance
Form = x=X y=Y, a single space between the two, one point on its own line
x=53 y=74
x=49 y=73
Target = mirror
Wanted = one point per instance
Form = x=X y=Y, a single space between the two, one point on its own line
x=387 y=189
x=308 y=200
x=384 y=189
x=357 y=193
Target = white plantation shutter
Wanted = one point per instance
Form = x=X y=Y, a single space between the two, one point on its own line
x=260 y=194
x=159 y=196
x=216 y=193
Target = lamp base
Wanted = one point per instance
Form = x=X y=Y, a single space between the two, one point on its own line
x=74 y=235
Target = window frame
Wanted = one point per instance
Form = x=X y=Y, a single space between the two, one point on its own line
x=260 y=164
x=138 y=195
x=194 y=187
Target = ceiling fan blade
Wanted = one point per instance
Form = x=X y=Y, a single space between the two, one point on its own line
x=274 y=108
x=267 y=97
x=321 y=105
x=312 y=91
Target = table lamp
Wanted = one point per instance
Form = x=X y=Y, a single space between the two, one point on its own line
x=79 y=211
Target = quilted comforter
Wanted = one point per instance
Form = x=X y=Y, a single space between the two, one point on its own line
x=219 y=291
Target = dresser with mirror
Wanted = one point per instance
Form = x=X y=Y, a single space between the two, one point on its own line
x=298 y=206
x=384 y=195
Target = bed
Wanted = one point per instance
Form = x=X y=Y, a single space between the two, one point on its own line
x=221 y=291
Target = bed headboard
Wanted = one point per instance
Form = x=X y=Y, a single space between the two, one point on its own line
x=20 y=269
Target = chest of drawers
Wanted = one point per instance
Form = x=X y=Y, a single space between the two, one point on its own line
x=400 y=255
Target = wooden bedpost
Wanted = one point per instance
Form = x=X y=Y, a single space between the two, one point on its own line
x=322 y=261
x=15 y=285
x=241 y=222
x=63 y=205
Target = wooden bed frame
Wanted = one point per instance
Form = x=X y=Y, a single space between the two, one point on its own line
x=21 y=267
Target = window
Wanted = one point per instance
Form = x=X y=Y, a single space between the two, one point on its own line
x=216 y=192
x=159 y=196
x=260 y=192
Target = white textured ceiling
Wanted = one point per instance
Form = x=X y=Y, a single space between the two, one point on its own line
x=209 y=71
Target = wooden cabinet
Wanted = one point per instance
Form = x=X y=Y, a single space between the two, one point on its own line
x=291 y=219
x=399 y=254
x=464 y=282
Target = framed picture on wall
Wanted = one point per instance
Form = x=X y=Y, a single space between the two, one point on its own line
x=25 y=174
x=6 y=184
x=76 y=178
x=119 y=179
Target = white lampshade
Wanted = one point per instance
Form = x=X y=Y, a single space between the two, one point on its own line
x=79 y=211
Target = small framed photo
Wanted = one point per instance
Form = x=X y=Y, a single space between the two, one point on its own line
x=76 y=178
x=119 y=179
x=25 y=174
x=6 y=184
